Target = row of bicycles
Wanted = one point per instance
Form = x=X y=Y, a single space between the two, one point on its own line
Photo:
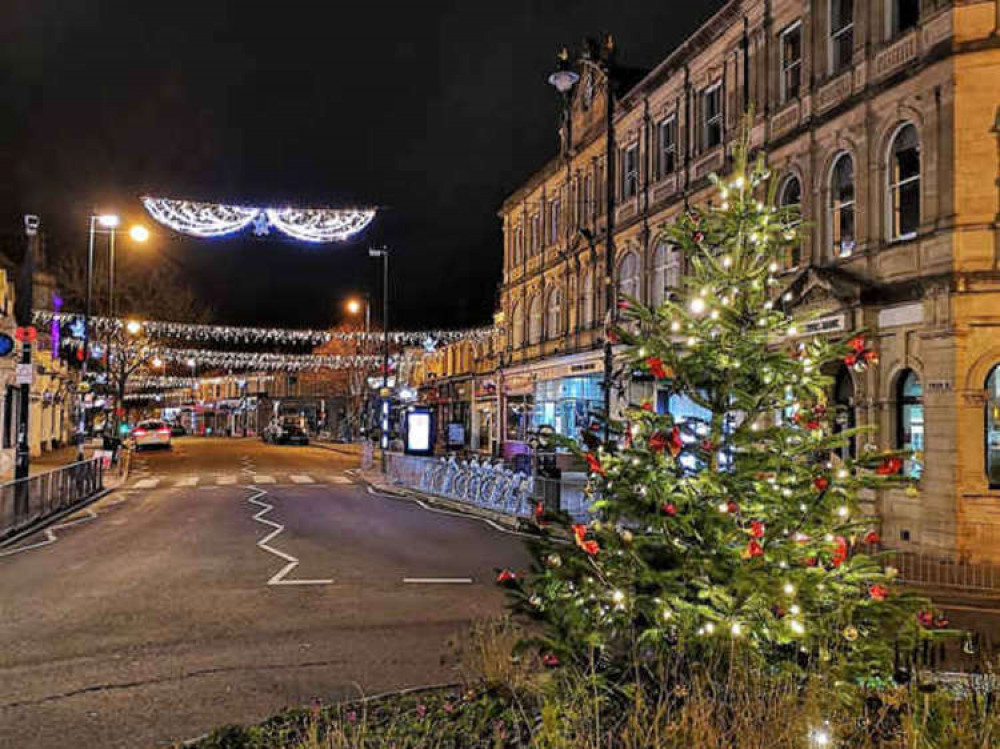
x=486 y=483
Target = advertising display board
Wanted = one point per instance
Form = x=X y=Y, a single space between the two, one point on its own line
x=419 y=431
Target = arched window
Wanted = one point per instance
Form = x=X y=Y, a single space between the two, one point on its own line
x=588 y=300
x=904 y=183
x=572 y=303
x=791 y=195
x=842 y=206
x=844 y=417
x=666 y=272
x=628 y=276
x=553 y=321
x=517 y=326
x=993 y=427
x=910 y=418
x=535 y=319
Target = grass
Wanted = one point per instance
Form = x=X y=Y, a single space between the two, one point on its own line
x=665 y=702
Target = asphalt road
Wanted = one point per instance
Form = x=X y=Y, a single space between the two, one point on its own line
x=157 y=616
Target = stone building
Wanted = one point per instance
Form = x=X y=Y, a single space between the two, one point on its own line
x=883 y=119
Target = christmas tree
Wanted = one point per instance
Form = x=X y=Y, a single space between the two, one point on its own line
x=741 y=527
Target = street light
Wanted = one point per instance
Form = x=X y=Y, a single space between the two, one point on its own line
x=139 y=233
x=133 y=327
x=157 y=362
x=353 y=307
x=383 y=253
x=563 y=80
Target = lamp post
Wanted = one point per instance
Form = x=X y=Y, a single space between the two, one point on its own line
x=354 y=308
x=107 y=221
x=383 y=253
x=563 y=80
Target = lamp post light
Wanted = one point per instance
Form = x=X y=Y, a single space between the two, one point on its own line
x=354 y=308
x=563 y=80
x=383 y=253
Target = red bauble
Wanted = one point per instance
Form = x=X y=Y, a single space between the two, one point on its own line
x=670 y=509
x=821 y=483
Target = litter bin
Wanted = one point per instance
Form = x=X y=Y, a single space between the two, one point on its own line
x=548 y=480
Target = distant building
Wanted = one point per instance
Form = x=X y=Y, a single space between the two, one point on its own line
x=882 y=118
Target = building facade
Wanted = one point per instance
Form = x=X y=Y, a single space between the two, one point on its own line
x=882 y=118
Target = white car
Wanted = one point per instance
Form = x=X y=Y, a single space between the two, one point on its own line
x=151 y=433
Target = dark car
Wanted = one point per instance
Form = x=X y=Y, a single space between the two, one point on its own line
x=285 y=432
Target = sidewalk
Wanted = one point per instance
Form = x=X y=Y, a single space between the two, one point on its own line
x=49 y=461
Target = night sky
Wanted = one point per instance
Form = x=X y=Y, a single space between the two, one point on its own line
x=434 y=110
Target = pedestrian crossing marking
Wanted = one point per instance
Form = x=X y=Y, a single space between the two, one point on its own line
x=188 y=481
x=301 y=478
x=339 y=480
x=225 y=480
x=146 y=484
x=263 y=479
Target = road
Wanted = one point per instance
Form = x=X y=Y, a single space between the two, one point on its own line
x=157 y=616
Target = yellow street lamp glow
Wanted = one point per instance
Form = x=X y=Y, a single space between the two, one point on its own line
x=157 y=362
x=133 y=326
x=353 y=306
x=139 y=233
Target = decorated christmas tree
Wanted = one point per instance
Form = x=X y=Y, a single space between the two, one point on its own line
x=741 y=526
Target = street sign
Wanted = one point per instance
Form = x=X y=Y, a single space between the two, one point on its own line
x=6 y=344
x=24 y=374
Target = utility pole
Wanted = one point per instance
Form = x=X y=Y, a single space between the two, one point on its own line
x=23 y=307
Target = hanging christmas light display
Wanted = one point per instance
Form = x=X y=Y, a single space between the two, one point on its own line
x=267 y=362
x=200 y=333
x=199 y=219
x=318 y=225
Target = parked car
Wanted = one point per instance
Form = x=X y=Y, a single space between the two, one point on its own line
x=285 y=432
x=151 y=433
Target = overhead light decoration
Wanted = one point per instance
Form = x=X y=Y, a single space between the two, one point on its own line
x=206 y=220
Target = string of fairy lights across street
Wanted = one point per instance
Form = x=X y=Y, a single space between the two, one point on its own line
x=202 y=333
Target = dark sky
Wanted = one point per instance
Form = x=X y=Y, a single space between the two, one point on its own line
x=435 y=110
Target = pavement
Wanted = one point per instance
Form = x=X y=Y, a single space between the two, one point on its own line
x=225 y=580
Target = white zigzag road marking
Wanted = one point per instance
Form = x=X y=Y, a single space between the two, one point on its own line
x=50 y=536
x=279 y=577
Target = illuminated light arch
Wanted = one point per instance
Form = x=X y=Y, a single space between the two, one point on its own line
x=207 y=220
x=319 y=224
x=199 y=219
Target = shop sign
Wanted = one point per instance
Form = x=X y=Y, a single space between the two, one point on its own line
x=830 y=324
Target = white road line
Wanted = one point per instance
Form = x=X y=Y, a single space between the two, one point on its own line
x=340 y=480
x=188 y=481
x=146 y=484
x=50 y=536
x=259 y=478
x=225 y=480
x=279 y=577
x=438 y=580
x=301 y=478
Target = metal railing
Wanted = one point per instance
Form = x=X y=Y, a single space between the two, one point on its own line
x=491 y=485
x=26 y=501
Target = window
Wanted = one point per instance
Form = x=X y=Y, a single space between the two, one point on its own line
x=904 y=16
x=993 y=427
x=588 y=300
x=518 y=243
x=628 y=276
x=536 y=233
x=711 y=113
x=666 y=272
x=791 y=195
x=571 y=305
x=841 y=34
x=910 y=418
x=588 y=198
x=842 y=206
x=844 y=418
x=904 y=183
x=630 y=172
x=666 y=147
x=791 y=61
x=535 y=320
x=555 y=215
x=553 y=322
